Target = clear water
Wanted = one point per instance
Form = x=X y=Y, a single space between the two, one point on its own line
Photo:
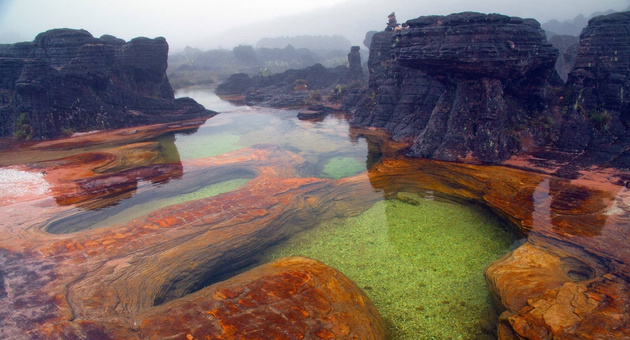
x=419 y=259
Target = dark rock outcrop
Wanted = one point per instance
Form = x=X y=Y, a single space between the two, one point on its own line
x=459 y=86
x=597 y=113
x=292 y=88
x=67 y=80
x=481 y=88
x=355 y=71
x=399 y=99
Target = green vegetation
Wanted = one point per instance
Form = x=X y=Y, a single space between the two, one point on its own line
x=420 y=262
x=601 y=119
x=23 y=128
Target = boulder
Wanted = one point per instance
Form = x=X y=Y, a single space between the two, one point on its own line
x=291 y=298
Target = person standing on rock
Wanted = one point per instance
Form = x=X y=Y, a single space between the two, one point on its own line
x=392 y=24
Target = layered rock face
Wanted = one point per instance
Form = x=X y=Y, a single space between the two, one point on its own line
x=597 y=120
x=481 y=88
x=66 y=80
x=460 y=85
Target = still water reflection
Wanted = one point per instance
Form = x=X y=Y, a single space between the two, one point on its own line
x=419 y=258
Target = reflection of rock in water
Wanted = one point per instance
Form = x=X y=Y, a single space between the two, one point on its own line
x=107 y=276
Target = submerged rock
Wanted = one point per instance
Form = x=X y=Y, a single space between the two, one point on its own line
x=66 y=80
x=293 y=298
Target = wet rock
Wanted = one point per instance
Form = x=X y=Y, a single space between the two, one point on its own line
x=291 y=297
x=67 y=80
x=570 y=279
x=109 y=282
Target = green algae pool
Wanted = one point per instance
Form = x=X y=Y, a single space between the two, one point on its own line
x=421 y=264
x=420 y=260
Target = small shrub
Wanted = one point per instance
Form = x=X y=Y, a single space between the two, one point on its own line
x=601 y=119
x=23 y=128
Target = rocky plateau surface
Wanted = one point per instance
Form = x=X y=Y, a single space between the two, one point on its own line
x=314 y=87
x=161 y=275
x=67 y=81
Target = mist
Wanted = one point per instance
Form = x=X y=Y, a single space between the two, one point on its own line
x=209 y=24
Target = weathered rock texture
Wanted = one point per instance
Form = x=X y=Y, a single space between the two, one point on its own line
x=481 y=88
x=66 y=80
x=460 y=86
x=571 y=278
x=597 y=118
x=146 y=278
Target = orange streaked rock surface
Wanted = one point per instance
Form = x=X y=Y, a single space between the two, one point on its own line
x=102 y=283
x=146 y=277
x=295 y=298
x=570 y=279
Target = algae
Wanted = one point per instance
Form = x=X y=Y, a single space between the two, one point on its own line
x=421 y=264
x=338 y=167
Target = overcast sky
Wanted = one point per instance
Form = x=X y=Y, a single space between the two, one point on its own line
x=210 y=24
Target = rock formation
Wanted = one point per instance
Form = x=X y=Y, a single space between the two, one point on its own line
x=355 y=70
x=482 y=88
x=597 y=112
x=291 y=88
x=460 y=86
x=66 y=80
x=316 y=87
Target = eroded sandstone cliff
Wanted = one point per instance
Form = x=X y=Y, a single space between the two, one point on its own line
x=596 y=117
x=66 y=80
x=464 y=87
x=481 y=88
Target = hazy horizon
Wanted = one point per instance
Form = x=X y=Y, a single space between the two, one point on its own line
x=197 y=24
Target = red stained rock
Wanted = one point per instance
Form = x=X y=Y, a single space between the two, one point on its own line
x=282 y=287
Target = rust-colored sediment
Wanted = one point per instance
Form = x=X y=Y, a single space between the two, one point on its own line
x=570 y=279
x=135 y=279
x=146 y=278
